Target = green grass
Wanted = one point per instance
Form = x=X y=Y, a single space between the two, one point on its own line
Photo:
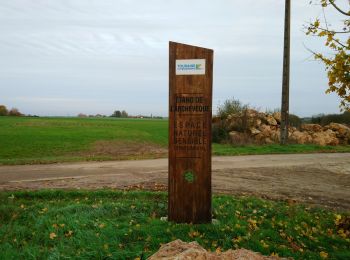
x=25 y=140
x=222 y=149
x=125 y=225
x=40 y=140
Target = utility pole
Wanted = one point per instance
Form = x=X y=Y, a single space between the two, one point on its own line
x=285 y=81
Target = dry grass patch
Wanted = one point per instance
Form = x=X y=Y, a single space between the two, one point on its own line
x=117 y=149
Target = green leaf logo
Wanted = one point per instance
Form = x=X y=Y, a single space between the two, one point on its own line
x=189 y=176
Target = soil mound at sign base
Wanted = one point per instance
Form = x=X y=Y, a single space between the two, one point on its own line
x=180 y=251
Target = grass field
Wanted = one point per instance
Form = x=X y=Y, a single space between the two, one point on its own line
x=31 y=140
x=126 y=225
x=26 y=140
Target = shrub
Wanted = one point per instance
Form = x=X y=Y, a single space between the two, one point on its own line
x=295 y=121
x=230 y=106
x=124 y=114
x=221 y=128
x=332 y=118
x=14 y=112
x=220 y=132
x=117 y=113
x=3 y=110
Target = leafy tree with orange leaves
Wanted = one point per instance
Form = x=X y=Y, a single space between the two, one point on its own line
x=338 y=41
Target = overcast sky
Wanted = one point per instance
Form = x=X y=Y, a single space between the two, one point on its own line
x=95 y=56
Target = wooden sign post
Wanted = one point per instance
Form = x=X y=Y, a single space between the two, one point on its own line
x=190 y=113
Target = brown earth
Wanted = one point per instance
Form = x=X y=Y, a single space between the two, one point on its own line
x=125 y=150
x=178 y=250
x=317 y=179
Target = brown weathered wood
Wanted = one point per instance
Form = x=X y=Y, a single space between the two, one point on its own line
x=190 y=202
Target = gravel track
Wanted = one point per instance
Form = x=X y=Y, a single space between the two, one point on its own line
x=318 y=179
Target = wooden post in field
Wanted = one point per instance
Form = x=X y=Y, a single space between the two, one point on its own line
x=285 y=81
x=190 y=113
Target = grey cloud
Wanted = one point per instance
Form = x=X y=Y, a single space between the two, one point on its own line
x=113 y=54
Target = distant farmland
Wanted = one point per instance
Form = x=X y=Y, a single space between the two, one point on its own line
x=26 y=140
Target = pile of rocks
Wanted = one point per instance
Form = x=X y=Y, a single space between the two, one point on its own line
x=178 y=250
x=265 y=128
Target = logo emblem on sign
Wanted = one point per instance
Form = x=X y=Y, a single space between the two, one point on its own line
x=189 y=176
x=190 y=67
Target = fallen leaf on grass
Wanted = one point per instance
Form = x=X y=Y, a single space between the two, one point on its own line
x=44 y=210
x=102 y=225
x=69 y=233
x=53 y=235
x=323 y=255
x=337 y=219
x=264 y=244
x=193 y=234
x=294 y=246
x=341 y=233
x=237 y=239
x=252 y=224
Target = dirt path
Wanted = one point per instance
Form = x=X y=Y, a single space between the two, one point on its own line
x=321 y=179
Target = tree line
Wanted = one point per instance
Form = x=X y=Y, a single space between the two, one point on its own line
x=12 y=112
x=116 y=113
x=331 y=118
x=120 y=114
x=4 y=111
